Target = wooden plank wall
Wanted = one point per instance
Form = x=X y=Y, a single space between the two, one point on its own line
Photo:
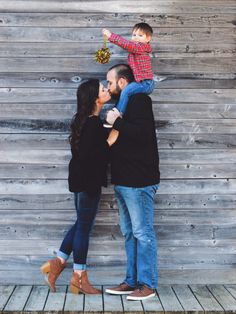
x=46 y=48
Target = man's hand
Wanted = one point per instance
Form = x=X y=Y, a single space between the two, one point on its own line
x=112 y=138
x=106 y=33
x=112 y=115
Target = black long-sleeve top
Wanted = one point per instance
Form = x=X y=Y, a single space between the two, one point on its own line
x=134 y=156
x=88 y=165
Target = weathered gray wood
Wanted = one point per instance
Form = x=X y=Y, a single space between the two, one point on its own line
x=161 y=217
x=177 y=49
x=187 y=158
x=55 y=301
x=198 y=186
x=176 y=35
x=37 y=299
x=66 y=95
x=74 y=303
x=73 y=79
x=112 y=303
x=163 y=201
x=186 y=127
x=111 y=20
x=18 y=298
x=38 y=171
x=187 y=299
x=205 y=298
x=162 y=110
x=231 y=289
x=153 y=305
x=165 y=140
x=5 y=293
x=111 y=6
x=223 y=297
x=169 y=300
x=131 y=306
x=93 y=303
x=222 y=65
x=167 y=277
x=47 y=47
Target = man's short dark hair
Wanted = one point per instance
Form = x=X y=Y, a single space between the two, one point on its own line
x=123 y=71
x=146 y=28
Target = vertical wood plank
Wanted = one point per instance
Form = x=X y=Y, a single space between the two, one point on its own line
x=187 y=299
x=93 y=303
x=153 y=305
x=112 y=303
x=231 y=289
x=18 y=298
x=55 y=301
x=223 y=297
x=74 y=303
x=37 y=299
x=132 y=306
x=206 y=299
x=5 y=293
x=169 y=300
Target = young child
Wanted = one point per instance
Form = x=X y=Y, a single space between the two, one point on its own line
x=138 y=59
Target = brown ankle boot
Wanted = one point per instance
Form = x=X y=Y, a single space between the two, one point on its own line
x=80 y=284
x=52 y=270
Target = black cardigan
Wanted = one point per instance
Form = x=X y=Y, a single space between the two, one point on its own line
x=87 y=168
x=134 y=157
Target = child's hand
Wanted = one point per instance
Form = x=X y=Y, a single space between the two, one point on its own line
x=106 y=33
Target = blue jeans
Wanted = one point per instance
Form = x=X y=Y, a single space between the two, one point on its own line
x=136 y=209
x=77 y=238
x=145 y=86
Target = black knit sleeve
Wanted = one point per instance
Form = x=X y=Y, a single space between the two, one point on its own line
x=138 y=121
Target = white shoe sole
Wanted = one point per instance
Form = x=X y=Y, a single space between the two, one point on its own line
x=117 y=292
x=131 y=298
x=106 y=125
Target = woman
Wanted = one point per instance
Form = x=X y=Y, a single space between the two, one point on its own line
x=87 y=174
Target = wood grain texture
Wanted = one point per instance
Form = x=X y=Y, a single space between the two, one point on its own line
x=47 y=49
x=151 y=6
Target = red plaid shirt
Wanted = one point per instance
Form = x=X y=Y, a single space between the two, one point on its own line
x=138 y=57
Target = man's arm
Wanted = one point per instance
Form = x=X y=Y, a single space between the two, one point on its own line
x=140 y=124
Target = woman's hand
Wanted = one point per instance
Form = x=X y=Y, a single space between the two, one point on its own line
x=112 y=137
x=106 y=33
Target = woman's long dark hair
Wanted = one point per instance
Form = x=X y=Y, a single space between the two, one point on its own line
x=87 y=94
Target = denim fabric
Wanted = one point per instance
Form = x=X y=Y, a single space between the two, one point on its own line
x=136 y=209
x=77 y=238
x=104 y=110
x=145 y=86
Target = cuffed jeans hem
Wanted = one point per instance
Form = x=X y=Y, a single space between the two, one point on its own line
x=62 y=255
x=79 y=266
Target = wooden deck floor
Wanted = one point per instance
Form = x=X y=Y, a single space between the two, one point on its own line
x=169 y=299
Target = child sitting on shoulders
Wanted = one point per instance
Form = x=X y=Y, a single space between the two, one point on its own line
x=138 y=59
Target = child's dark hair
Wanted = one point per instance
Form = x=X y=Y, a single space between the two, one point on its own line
x=144 y=27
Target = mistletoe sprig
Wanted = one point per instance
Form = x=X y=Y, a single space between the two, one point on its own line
x=103 y=55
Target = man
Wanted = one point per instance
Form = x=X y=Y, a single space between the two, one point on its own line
x=135 y=174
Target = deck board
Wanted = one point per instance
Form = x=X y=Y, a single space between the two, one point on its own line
x=206 y=299
x=175 y=299
x=169 y=300
x=112 y=303
x=55 y=301
x=187 y=299
x=37 y=299
x=18 y=299
x=5 y=293
x=226 y=300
